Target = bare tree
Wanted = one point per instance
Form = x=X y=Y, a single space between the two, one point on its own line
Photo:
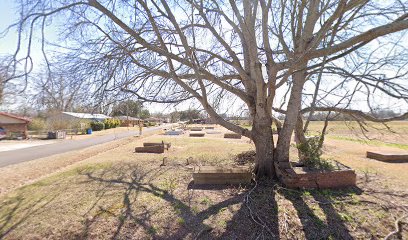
x=56 y=92
x=3 y=79
x=2 y=83
x=370 y=78
x=171 y=51
x=9 y=85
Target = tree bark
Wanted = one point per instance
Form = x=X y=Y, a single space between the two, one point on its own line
x=285 y=135
x=300 y=137
x=264 y=145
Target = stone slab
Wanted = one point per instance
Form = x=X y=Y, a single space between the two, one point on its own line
x=232 y=135
x=197 y=134
x=150 y=149
x=174 y=132
x=221 y=175
x=213 y=132
x=388 y=156
x=167 y=145
x=196 y=129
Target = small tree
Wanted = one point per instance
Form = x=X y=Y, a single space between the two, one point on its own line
x=189 y=115
x=97 y=126
x=144 y=114
x=37 y=124
x=128 y=108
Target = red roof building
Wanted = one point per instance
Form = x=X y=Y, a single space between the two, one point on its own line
x=13 y=126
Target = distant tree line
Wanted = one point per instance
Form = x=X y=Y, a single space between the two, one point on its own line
x=186 y=115
x=322 y=116
x=130 y=108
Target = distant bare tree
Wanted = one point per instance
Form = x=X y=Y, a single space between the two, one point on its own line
x=8 y=85
x=368 y=76
x=253 y=51
x=2 y=82
x=59 y=92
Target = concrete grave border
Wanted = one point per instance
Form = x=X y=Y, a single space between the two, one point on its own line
x=196 y=129
x=388 y=157
x=232 y=135
x=197 y=134
x=166 y=144
x=150 y=149
x=221 y=175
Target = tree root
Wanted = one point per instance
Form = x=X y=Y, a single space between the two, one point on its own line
x=206 y=229
x=398 y=229
x=255 y=218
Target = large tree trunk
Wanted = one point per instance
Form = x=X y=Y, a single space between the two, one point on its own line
x=285 y=135
x=300 y=137
x=263 y=139
x=299 y=134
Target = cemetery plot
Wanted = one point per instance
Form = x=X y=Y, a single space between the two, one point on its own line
x=232 y=135
x=221 y=175
x=388 y=156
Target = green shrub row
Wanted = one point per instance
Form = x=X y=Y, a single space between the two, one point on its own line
x=111 y=123
x=149 y=124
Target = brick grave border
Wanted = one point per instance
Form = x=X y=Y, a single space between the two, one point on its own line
x=150 y=149
x=232 y=135
x=345 y=177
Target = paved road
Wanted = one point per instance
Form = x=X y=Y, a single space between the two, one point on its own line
x=31 y=153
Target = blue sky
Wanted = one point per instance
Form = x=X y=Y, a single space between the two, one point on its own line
x=8 y=44
x=8 y=13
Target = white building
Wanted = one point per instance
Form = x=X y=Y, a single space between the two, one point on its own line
x=70 y=120
x=82 y=116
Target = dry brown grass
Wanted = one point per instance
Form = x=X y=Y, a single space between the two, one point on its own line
x=120 y=194
x=346 y=144
x=353 y=155
x=376 y=131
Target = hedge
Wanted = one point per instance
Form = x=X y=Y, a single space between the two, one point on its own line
x=97 y=126
x=111 y=123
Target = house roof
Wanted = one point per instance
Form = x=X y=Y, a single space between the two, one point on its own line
x=153 y=119
x=87 y=115
x=127 y=118
x=15 y=116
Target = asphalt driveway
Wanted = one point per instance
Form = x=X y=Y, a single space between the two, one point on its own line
x=31 y=153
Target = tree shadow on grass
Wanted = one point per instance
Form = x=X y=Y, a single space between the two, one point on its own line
x=314 y=227
x=257 y=217
x=254 y=214
x=133 y=185
x=17 y=210
x=130 y=185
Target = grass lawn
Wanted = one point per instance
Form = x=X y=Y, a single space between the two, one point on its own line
x=392 y=133
x=123 y=195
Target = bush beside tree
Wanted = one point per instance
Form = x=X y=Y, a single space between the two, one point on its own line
x=97 y=126
x=37 y=124
x=111 y=123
